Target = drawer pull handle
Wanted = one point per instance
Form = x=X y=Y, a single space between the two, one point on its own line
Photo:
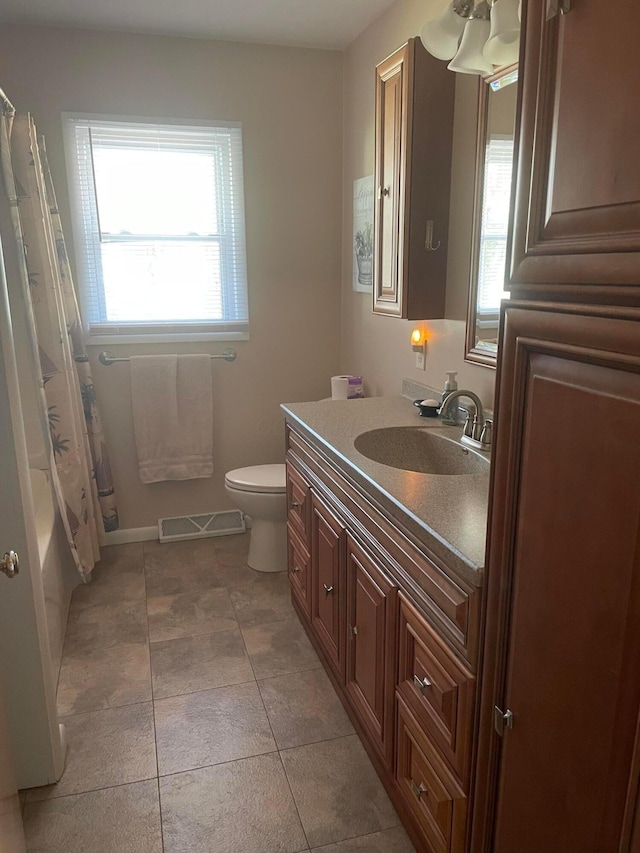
x=419 y=790
x=422 y=683
x=327 y=589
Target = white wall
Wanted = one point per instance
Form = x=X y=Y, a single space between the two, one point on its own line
x=289 y=101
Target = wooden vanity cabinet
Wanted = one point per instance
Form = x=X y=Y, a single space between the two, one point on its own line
x=381 y=614
x=414 y=132
x=576 y=231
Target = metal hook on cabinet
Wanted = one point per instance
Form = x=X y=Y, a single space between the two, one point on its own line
x=428 y=240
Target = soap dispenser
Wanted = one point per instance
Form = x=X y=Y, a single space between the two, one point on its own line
x=449 y=386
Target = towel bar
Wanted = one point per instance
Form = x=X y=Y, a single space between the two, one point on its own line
x=106 y=357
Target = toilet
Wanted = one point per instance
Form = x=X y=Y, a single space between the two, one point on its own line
x=260 y=491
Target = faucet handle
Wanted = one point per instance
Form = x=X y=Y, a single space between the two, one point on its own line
x=468 y=425
x=487 y=432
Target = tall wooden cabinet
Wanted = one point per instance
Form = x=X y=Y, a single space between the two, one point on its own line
x=414 y=133
x=558 y=757
x=576 y=230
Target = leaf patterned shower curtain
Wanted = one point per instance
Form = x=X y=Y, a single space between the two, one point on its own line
x=80 y=471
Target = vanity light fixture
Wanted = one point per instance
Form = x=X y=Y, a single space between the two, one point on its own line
x=475 y=36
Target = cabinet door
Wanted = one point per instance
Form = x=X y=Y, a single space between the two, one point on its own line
x=372 y=602
x=562 y=648
x=414 y=131
x=577 y=210
x=327 y=583
x=298 y=501
x=299 y=569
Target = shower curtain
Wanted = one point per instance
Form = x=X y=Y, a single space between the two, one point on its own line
x=80 y=464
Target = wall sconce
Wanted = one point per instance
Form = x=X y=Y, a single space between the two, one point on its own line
x=419 y=346
x=475 y=36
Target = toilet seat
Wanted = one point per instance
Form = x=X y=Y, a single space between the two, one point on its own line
x=266 y=479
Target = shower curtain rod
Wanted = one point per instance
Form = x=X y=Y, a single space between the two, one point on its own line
x=7 y=106
x=108 y=358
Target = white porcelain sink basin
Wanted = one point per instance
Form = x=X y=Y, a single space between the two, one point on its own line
x=425 y=450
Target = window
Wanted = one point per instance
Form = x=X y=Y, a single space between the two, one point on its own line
x=495 y=221
x=158 y=214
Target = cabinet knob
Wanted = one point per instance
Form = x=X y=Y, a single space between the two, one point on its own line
x=419 y=790
x=385 y=191
x=294 y=505
x=422 y=683
x=296 y=569
x=327 y=589
x=353 y=631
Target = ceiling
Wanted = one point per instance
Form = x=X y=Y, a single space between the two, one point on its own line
x=303 y=23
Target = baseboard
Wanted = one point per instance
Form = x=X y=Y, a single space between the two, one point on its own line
x=131 y=534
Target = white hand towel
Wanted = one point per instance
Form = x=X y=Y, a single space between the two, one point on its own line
x=172 y=416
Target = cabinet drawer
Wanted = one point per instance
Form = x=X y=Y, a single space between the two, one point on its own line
x=438 y=689
x=299 y=564
x=433 y=796
x=298 y=502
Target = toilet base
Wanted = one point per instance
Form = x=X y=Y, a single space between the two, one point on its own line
x=268 y=546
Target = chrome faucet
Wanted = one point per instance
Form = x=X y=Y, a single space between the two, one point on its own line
x=477 y=431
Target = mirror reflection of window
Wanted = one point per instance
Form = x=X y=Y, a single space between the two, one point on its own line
x=498 y=168
x=494 y=173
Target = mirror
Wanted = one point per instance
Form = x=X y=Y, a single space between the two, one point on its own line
x=494 y=168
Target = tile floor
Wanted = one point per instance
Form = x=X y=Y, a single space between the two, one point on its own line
x=200 y=719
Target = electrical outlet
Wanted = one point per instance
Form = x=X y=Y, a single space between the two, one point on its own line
x=421 y=361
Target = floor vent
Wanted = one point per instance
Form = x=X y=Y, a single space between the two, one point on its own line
x=223 y=523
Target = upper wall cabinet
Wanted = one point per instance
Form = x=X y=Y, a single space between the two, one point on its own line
x=576 y=230
x=414 y=132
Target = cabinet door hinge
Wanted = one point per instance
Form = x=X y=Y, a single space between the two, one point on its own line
x=555 y=6
x=502 y=720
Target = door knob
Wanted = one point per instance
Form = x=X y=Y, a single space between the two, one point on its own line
x=327 y=589
x=10 y=564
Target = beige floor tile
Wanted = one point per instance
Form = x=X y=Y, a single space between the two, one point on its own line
x=337 y=791
x=390 y=841
x=96 y=678
x=192 y=664
x=232 y=550
x=112 y=747
x=117 y=577
x=190 y=613
x=261 y=598
x=176 y=567
x=198 y=729
x=304 y=708
x=240 y=807
x=125 y=819
x=279 y=648
x=93 y=626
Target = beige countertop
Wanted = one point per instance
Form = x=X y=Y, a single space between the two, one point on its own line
x=447 y=513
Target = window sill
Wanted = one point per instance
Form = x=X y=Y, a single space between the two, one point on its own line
x=178 y=338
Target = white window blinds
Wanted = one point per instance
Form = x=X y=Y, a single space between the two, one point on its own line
x=158 y=226
x=495 y=219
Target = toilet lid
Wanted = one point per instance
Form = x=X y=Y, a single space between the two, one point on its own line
x=258 y=478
